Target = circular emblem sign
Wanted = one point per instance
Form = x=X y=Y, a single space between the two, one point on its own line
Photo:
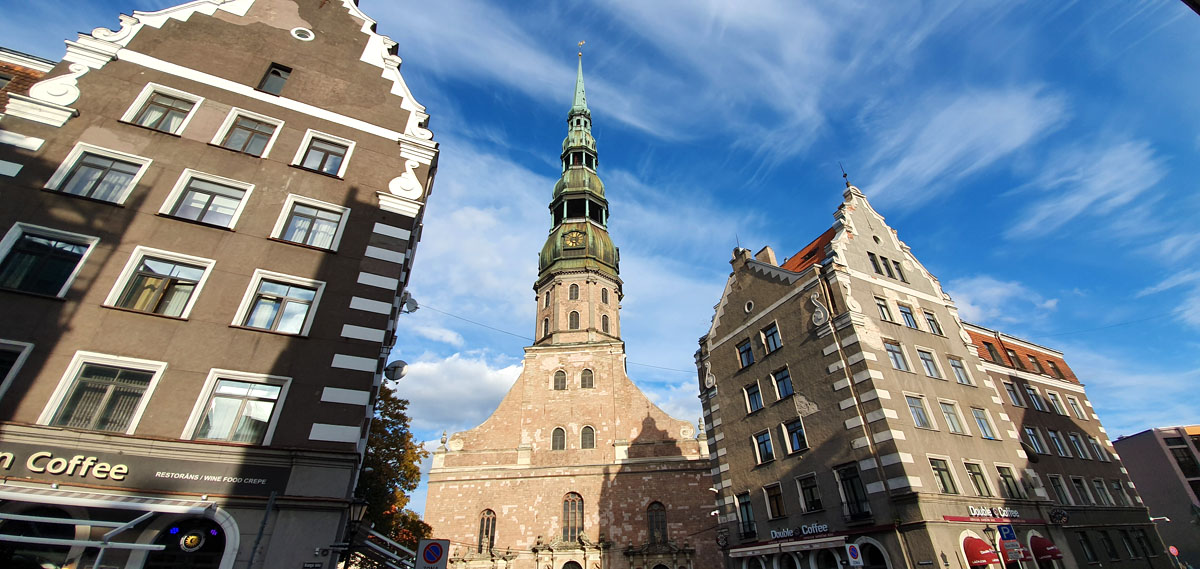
x=1174 y=550
x=432 y=553
x=852 y=551
x=191 y=541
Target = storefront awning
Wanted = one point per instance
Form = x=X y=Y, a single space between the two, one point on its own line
x=979 y=553
x=1044 y=549
x=809 y=544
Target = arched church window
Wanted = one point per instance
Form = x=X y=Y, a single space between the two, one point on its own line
x=572 y=517
x=558 y=440
x=604 y=323
x=546 y=302
x=560 y=380
x=573 y=320
x=487 y=531
x=656 y=519
x=586 y=380
x=545 y=326
x=574 y=294
x=587 y=438
x=604 y=295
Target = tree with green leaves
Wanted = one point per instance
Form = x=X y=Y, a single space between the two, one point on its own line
x=391 y=470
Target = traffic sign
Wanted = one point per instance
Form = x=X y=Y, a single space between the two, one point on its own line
x=1007 y=532
x=432 y=553
x=1174 y=550
x=854 y=555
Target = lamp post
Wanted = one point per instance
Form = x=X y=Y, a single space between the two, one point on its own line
x=990 y=532
x=356 y=510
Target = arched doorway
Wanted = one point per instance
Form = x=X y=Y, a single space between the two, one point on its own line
x=14 y=555
x=826 y=559
x=786 y=561
x=195 y=543
x=661 y=566
x=873 y=557
x=571 y=565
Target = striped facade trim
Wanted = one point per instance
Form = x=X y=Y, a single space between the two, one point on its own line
x=356 y=363
x=363 y=333
x=368 y=305
x=378 y=281
x=392 y=231
x=334 y=433
x=347 y=396
x=385 y=254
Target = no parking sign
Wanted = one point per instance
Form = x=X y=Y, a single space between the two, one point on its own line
x=432 y=553
x=854 y=555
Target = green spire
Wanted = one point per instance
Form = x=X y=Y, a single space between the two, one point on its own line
x=580 y=103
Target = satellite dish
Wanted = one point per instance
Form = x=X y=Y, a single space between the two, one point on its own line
x=396 y=370
x=1031 y=454
x=410 y=305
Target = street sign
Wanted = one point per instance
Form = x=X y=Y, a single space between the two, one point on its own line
x=432 y=553
x=1007 y=532
x=854 y=555
x=1174 y=550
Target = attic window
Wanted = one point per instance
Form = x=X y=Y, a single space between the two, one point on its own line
x=303 y=34
x=276 y=76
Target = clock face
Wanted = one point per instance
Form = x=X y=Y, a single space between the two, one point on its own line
x=573 y=239
x=1058 y=516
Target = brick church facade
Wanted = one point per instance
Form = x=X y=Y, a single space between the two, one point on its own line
x=576 y=468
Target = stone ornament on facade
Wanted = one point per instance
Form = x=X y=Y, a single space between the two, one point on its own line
x=407 y=185
x=820 y=313
x=62 y=89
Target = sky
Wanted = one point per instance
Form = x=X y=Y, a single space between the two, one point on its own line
x=1042 y=159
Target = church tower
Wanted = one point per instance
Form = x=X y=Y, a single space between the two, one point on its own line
x=575 y=468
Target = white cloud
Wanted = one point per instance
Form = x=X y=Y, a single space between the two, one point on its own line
x=439 y=334
x=454 y=393
x=1187 y=306
x=986 y=300
x=1089 y=181
x=930 y=145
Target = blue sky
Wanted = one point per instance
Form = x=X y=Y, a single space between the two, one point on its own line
x=1040 y=158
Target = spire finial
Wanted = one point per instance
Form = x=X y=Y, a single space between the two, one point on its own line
x=845 y=176
x=581 y=42
x=579 y=104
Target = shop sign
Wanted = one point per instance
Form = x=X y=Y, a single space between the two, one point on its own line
x=993 y=512
x=85 y=466
x=815 y=528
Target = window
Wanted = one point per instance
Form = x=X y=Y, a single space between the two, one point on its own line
x=960 y=371
x=992 y=353
x=916 y=406
x=102 y=393
x=604 y=295
x=311 y=222
x=5 y=80
x=1060 y=490
x=1013 y=394
x=796 y=439
x=572 y=517
x=160 y=282
x=884 y=312
x=1035 y=440
x=899 y=271
x=745 y=353
x=887 y=266
x=978 y=480
x=906 y=314
x=560 y=380
x=546 y=304
x=1185 y=461
x=1054 y=369
x=950 y=412
x=487 y=531
x=1056 y=403
x=324 y=153
x=240 y=408
x=247 y=132
x=587 y=379
x=656 y=522
x=1076 y=408
x=854 y=495
x=754 y=400
x=162 y=108
x=1101 y=492
x=941 y=473
x=1081 y=490
x=1034 y=398
x=1128 y=542
x=1144 y=542
x=770 y=337
x=587 y=438
x=762 y=444
x=810 y=493
x=984 y=423
x=933 y=323
x=98 y=173
x=604 y=323
x=280 y=303
x=1057 y=442
x=12 y=356
x=896 y=355
x=42 y=260
x=1118 y=493
x=746 y=515
x=573 y=292
x=1077 y=443
x=874 y=262
x=1086 y=545
x=783 y=383
x=774 y=496
x=1012 y=357
x=275 y=78
x=1037 y=366
x=1110 y=548
x=1097 y=450
x=1008 y=483
x=545 y=327
x=558 y=439
x=573 y=320
x=207 y=199
x=931 y=368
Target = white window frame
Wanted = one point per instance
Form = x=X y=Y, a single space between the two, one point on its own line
x=1088 y=498
x=1036 y=401
x=77 y=362
x=76 y=154
x=19 y=228
x=1055 y=401
x=958 y=487
x=771 y=514
x=762 y=404
x=1108 y=499
x=232 y=117
x=770 y=440
x=762 y=336
x=22 y=349
x=903 y=354
x=993 y=492
x=1096 y=447
x=1066 y=488
x=1081 y=413
x=787 y=439
x=1016 y=472
x=966 y=371
x=290 y=203
x=190 y=174
x=775 y=382
x=135 y=259
x=151 y=88
x=937 y=366
x=1020 y=399
x=1061 y=448
x=210 y=384
x=256 y=279
x=1079 y=446
x=309 y=135
x=1035 y=436
x=804 y=506
x=933 y=425
x=957 y=414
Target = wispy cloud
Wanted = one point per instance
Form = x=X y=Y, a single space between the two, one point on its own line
x=439 y=334
x=989 y=301
x=454 y=393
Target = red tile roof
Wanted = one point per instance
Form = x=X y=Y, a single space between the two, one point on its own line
x=811 y=253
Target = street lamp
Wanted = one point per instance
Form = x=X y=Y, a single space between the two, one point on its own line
x=990 y=532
